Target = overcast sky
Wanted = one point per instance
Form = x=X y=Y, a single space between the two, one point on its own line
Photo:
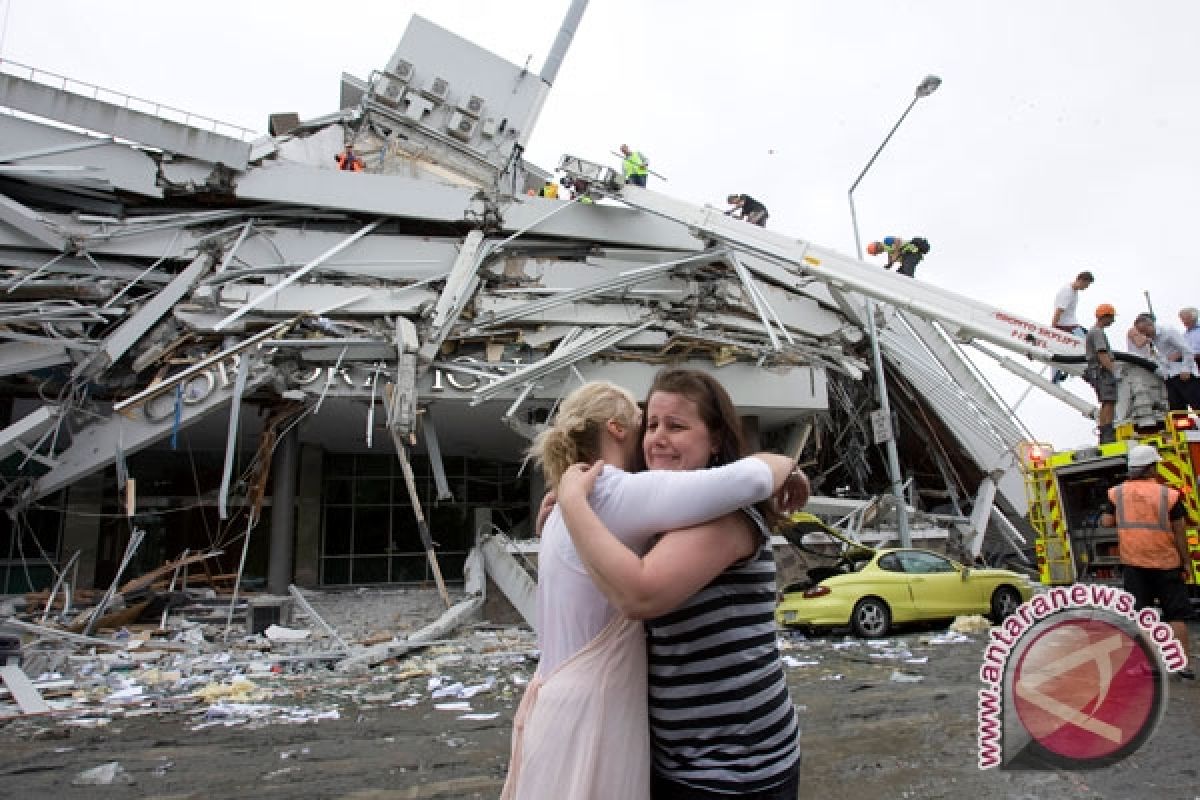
x=1066 y=134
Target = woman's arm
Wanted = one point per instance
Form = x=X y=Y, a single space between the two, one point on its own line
x=644 y=504
x=679 y=565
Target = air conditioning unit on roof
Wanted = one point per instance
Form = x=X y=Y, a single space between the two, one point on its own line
x=401 y=71
x=436 y=89
x=389 y=86
x=460 y=126
x=388 y=91
x=472 y=105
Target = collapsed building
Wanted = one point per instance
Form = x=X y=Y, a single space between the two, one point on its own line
x=220 y=341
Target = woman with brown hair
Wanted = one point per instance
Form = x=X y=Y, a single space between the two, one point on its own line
x=721 y=721
x=580 y=731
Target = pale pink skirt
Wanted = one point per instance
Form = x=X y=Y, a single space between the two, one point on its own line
x=581 y=733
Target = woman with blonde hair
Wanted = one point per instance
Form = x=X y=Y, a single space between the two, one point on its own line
x=580 y=732
x=722 y=723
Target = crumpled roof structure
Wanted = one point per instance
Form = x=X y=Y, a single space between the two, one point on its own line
x=160 y=271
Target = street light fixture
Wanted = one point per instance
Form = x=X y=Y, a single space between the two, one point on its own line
x=928 y=86
x=925 y=88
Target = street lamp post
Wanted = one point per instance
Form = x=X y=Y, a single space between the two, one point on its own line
x=925 y=88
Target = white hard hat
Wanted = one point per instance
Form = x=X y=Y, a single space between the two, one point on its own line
x=1143 y=455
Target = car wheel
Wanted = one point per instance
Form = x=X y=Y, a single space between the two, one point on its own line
x=871 y=618
x=1005 y=601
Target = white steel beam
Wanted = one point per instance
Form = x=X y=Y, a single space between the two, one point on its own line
x=511 y=578
x=31 y=224
x=135 y=325
x=95 y=446
x=460 y=287
x=585 y=346
x=96 y=115
x=300 y=273
x=964 y=316
x=17 y=358
x=28 y=429
x=981 y=512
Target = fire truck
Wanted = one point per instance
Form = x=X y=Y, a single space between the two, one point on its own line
x=1067 y=490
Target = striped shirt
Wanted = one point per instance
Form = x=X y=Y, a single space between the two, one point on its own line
x=721 y=718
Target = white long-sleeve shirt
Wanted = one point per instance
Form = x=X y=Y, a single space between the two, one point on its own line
x=1162 y=348
x=635 y=507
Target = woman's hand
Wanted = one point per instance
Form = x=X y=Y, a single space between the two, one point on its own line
x=577 y=482
x=794 y=492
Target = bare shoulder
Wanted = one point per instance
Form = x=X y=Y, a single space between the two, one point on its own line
x=738 y=535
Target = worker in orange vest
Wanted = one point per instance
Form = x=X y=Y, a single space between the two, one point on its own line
x=1152 y=542
x=348 y=160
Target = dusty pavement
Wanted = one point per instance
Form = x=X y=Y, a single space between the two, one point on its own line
x=871 y=729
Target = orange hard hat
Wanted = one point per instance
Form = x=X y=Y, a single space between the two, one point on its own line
x=1105 y=310
x=874 y=248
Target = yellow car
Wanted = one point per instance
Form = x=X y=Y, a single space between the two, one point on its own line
x=873 y=590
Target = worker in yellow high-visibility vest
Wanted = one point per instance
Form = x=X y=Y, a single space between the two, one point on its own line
x=635 y=165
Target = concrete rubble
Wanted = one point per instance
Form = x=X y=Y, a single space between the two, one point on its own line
x=185 y=713
x=281 y=676
x=299 y=674
x=174 y=290
x=231 y=372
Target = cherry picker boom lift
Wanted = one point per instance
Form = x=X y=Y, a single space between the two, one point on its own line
x=940 y=320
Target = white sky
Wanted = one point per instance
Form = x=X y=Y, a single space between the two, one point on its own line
x=1066 y=134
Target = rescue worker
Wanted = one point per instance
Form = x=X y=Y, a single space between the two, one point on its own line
x=747 y=208
x=907 y=253
x=1190 y=318
x=1172 y=352
x=348 y=160
x=1152 y=542
x=1065 y=302
x=635 y=165
x=581 y=190
x=1064 y=317
x=1101 y=370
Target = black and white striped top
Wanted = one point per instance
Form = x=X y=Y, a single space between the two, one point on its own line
x=721 y=718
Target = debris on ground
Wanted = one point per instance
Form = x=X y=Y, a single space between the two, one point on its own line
x=973 y=623
x=285 y=674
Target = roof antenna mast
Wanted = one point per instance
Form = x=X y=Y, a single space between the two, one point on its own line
x=563 y=41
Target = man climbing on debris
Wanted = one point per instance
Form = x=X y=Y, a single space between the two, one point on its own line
x=348 y=160
x=908 y=253
x=1101 y=370
x=1064 y=318
x=636 y=166
x=747 y=208
x=581 y=190
x=1152 y=542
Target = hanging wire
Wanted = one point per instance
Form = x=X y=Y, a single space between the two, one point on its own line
x=187 y=438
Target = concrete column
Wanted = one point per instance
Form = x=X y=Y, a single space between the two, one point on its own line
x=284 y=467
x=482 y=519
x=81 y=528
x=308 y=526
